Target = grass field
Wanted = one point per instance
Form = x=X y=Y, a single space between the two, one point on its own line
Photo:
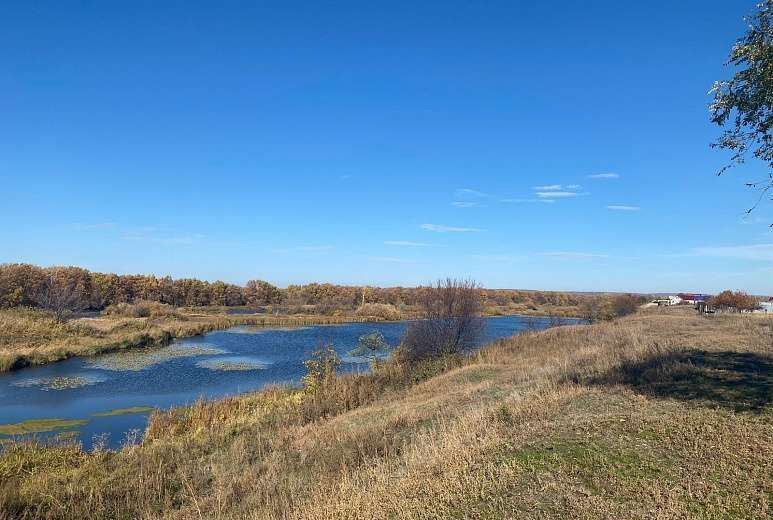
x=659 y=415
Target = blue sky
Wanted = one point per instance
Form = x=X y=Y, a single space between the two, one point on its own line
x=543 y=145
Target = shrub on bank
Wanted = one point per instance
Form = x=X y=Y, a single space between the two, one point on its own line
x=604 y=308
x=384 y=311
x=451 y=322
x=737 y=301
x=142 y=309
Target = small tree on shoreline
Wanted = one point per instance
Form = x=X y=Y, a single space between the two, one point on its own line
x=452 y=322
x=370 y=345
x=320 y=368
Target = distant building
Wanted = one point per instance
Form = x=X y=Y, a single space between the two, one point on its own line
x=667 y=301
x=766 y=306
x=693 y=298
x=681 y=298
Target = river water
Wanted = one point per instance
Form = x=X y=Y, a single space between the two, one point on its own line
x=110 y=396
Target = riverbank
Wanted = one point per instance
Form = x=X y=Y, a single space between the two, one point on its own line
x=32 y=337
x=664 y=414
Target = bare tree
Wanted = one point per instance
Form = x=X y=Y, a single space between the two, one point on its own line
x=61 y=295
x=452 y=321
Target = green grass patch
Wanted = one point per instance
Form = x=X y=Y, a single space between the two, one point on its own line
x=125 y=411
x=40 y=426
x=474 y=374
x=588 y=458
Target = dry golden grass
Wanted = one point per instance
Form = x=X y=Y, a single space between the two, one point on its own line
x=659 y=415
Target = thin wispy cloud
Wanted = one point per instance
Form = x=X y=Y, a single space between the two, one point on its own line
x=572 y=255
x=522 y=201
x=556 y=194
x=604 y=176
x=97 y=225
x=313 y=248
x=407 y=243
x=154 y=234
x=465 y=204
x=557 y=191
x=303 y=249
x=188 y=239
x=497 y=257
x=466 y=193
x=439 y=228
x=745 y=252
x=170 y=240
x=558 y=187
x=622 y=207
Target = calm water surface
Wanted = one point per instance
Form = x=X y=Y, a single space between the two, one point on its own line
x=100 y=389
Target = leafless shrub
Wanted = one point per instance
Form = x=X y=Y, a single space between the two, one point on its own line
x=61 y=296
x=452 y=321
x=625 y=304
x=609 y=307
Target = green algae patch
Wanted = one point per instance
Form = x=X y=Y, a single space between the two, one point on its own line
x=135 y=360
x=124 y=411
x=40 y=426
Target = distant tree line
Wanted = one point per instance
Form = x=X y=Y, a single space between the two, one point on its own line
x=77 y=289
x=80 y=289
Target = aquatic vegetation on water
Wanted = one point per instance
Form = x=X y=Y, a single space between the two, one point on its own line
x=231 y=364
x=125 y=411
x=141 y=359
x=59 y=383
x=40 y=426
x=256 y=329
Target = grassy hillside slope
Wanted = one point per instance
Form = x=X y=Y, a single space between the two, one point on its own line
x=660 y=415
